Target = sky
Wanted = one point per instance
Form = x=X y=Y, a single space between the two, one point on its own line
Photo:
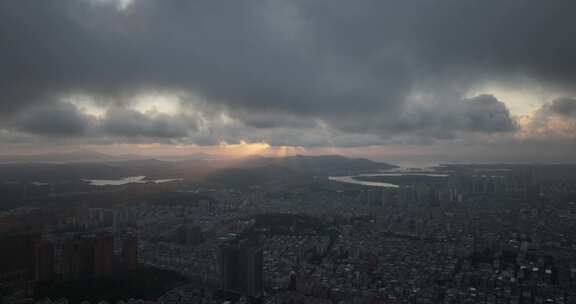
x=436 y=80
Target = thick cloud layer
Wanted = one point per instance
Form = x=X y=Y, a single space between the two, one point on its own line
x=311 y=73
x=61 y=119
x=553 y=121
x=129 y=123
x=564 y=106
x=53 y=119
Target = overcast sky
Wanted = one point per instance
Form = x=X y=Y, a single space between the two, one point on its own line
x=483 y=80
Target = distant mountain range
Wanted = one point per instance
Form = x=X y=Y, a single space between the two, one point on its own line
x=86 y=164
x=323 y=164
x=74 y=156
x=92 y=156
x=260 y=171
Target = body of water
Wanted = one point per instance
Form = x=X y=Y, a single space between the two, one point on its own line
x=351 y=179
x=128 y=180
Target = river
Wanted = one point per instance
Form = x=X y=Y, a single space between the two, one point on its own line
x=351 y=179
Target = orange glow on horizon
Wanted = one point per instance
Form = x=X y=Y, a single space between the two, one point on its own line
x=244 y=149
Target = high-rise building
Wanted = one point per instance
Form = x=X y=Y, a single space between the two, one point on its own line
x=103 y=254
x=372 y=197
x=189 y=235
x=130 y=252
x=17 y=257
x=78 y=257
x=241 y=267
x=292 y=281
x=44 y=261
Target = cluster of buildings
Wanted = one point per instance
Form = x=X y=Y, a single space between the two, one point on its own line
x=57 y=248
x=94 y=255
x=448 y=190
x=33 y=257
x=471 y=238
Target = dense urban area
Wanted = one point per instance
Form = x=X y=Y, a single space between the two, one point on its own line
x=301 y=230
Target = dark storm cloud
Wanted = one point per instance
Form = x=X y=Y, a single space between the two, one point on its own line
x=61 y=119
x=351 y=64
x=481 y=114
x=486 y=114
x=129 y=123
x=271 y=119
x=52 y=48
x=54 y=119
x=564 y=106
